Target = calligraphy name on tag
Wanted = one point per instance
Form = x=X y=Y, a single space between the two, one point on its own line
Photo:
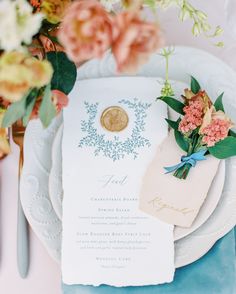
x=170 y=199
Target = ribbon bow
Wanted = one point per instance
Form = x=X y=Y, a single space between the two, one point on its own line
x=191 y=159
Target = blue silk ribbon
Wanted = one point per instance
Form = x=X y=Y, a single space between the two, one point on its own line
x=191 y=159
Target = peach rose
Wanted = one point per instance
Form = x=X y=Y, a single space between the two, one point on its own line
x=19 y=73
x=134 y=41
x=86 y=31
x=40 y=70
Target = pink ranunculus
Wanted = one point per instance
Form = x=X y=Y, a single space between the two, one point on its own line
x=59 y=99
x=134 y=40
x=86 y=31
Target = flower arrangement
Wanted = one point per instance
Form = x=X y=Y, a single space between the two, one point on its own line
x=43 y=41
x=202 y=129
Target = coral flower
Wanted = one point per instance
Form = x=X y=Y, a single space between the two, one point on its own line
x=197 y=106
x=36 y=4
x=59 y=99
x=86 y=31
x=134 y=41
x=215 y=127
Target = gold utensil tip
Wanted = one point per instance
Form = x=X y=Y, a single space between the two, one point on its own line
x=114 y=119
x=18 y=132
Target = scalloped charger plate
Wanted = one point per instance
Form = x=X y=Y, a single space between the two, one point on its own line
x=35 y=198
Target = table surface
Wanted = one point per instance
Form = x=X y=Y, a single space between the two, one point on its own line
x=44 y=273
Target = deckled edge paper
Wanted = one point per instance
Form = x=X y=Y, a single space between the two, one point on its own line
x=86 y=194
x=172 y=200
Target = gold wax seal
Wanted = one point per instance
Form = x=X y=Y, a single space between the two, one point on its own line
x=114 y=119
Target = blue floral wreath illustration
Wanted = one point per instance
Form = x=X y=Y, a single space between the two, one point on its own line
x=115 y=149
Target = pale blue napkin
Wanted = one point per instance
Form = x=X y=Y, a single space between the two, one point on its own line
x=215 y=273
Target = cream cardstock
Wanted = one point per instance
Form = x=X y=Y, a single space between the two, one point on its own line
x=170 y=199
x=106 y=238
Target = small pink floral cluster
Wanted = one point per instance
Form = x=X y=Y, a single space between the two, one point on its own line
x=216 y=131
x=88 y=30
x=199 y=112
x=193 y=116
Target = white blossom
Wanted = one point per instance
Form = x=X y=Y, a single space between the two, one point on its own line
x=17 y=24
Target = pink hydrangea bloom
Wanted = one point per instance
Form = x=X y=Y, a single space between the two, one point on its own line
x=193 y=117
x=216 y=131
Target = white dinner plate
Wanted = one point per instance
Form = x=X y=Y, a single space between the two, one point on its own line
x=214 y=76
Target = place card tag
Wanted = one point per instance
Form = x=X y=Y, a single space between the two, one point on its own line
x=170 y=199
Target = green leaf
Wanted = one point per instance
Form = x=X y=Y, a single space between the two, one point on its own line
x=173 y=124
x=224 y=149
x=232 y=133
x=173 y=103
x=14 y=112
x=181 y=141
x=150 y=3
x=65 y=72
x=195 y=87
x=219 y=104
x=29 y=105
x=47 y=110
x=28 y=111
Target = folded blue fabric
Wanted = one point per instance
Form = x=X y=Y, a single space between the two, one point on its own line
x=215 y=273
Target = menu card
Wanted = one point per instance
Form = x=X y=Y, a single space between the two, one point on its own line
x=112 y=128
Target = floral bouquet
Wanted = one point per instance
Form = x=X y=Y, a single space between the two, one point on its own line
x=202 y=129
x=43 y=41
